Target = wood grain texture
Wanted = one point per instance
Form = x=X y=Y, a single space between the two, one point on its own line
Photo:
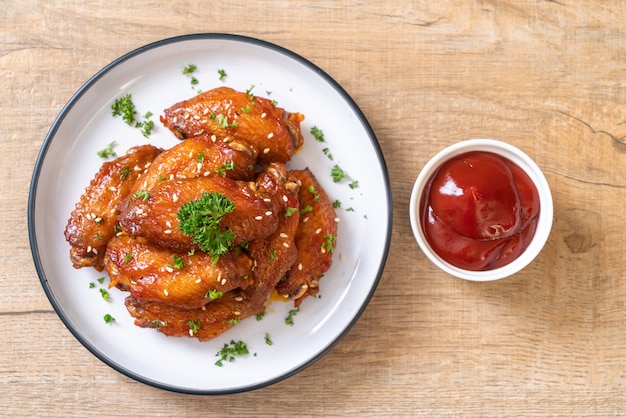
x=546 y=76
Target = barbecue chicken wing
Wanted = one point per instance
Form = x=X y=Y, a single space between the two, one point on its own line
x=229 y=114
x=93 y=222
x=315 y=239
x=272 y=255
x=153 y=215
x=153 y=273
x=200 y=157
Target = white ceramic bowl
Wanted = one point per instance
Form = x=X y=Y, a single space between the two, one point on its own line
x=514 y=155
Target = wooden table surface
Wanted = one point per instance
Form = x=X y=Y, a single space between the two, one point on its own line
x=546 y=76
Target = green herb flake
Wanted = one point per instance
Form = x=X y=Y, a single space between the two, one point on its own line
x=201 y=220
x=200 y=157
x=290 y=211
x=124 y=173
x=272 y=254
x=318 y=134
x=222 y=74
x=128 y=257
x=108 y=319
x=229 y=166
x=337 y=204
x=230 y=351
x=142 y=194
x=190 y=69
x=194 y=326
x=178 y=262
x=213 y=294
x=234 y=321
x=354 y=184
x=338 y=174
x=92 y=285
x=292 y=313
x=104 y=294
x=108 y=151
x=328 y=243
x=125 y=108
x=306 y=209
x=268 y=340
x=260 y=316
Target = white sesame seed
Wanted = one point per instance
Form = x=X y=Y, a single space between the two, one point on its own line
x=175 y=119
x=168 y=224
x=268 y=213
x=139 y=211
x=223 y=282
x=285 y=198
x=98 y=220
x=207 y=173
x=203 y=307
x=258 y=218
x=196 y=117
x=88 y=216
x=93 y=215
x=317 y=231
x=171 y=176
x=113 y=189
x=323 y=250
x=283 y=235
x=198 y=280
x=93 y=250
x=263 y=114
x=165 y=292
x=147 y=164
x=169 y=270
x=137 y=168
x=199 y=166
x=337 y=219
x=270 y=135
x=205 y=111
x=305 y=220
x=167 y=231
x=267 y=200
x=286 y=245
x=238 y=298
x=119 y=234
x=266 y=150
x=190 y=332
x=213 y=138
x=300 y=266
x=186 y=116
x=190 y=154
x=145 y=184
x=175 y=198
x=237 y=313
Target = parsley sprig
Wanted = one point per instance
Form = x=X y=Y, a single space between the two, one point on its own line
x=230 y=351
x=201 y=220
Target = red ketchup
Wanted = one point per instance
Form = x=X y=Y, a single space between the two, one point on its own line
x=479 y=211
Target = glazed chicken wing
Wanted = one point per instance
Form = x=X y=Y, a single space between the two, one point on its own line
x=153 y=215
x=272 y=255
x=202 y=323
x=315 y=239
x=156 y=274
x=227 y=113
x=200 y=156
x=93 y=222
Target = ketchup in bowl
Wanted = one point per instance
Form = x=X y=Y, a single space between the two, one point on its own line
x=479 y=211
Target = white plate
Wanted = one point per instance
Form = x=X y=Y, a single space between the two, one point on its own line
x=153 y=75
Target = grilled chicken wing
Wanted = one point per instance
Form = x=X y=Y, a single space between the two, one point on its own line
x=93 y=221
x=272 y=255
x=200 y=156
x=227 y=113
x=315 y=239
x=157 y=274
x=203 y=323
x=153 y=216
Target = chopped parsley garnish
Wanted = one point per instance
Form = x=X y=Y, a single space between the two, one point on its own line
x=124 y=173
x=272 y=254
x=200 y=157
x=337 y=204
x=128 y=257
x=234 y=321
x=213 y=294
x=104 y=294
x=146 y=127
x=328 y=243
x=290 y=211
x=125 y=108
x=108 y=319
x=222 y=121
x=318 y=134
x=189 y=69
x=178 y=264
x=338 y=174
x=229 y=166
x=230 y=351
x=194 y=81
x=268 y=341
x=107 y=151
x=292 y=313
x=354 y=184
x=327 y=153
x=201 y=220
x=101 y=280
x=221 y=73
x=142 y=194
x=249 y=92
x=312 y=190
x=260 y=316
x=92 y=285
x=194 y=326
x=306 y=209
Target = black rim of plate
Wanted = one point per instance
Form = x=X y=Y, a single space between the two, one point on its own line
x=59 y=120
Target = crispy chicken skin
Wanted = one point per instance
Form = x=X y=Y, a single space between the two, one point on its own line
x=93 y=221
x=200 y=157
x=273 y=256
x=155 y=218
x=229 y=114
x=315 y=239
x=151 y=273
